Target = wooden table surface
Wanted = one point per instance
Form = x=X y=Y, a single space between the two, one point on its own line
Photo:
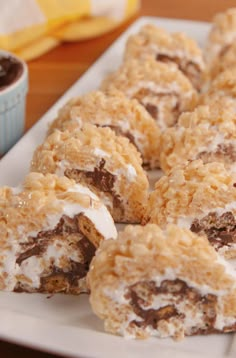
x=52 y=74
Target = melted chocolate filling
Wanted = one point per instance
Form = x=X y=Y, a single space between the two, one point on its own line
x=140 y=294
x=10 y=71
x=152 y=109
x=224 y=153
x=77 y=271
x=189 y=68
x=224 y=50
x=37 y=246
x=100 y=178
x=227 y=150
x=128 y=135
x=220 y=230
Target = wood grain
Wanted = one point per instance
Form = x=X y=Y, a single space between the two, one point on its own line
x=53 y=73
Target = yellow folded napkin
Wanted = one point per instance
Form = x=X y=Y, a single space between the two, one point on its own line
x=30 y=28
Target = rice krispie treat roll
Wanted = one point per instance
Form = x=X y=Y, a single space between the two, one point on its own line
x=200 y=197
x=218 y=100
x=161 y=88
x=227 y=61
x=224 y=85
x=108 y=164
x=50 y=229
x=125 y=116
x=221 y=36
x=169 y=48
x=207 y=133
x=163 y=283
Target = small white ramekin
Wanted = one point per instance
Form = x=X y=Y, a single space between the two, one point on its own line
x=12 y=108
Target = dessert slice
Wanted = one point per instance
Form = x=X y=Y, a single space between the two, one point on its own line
x=164 y=283
x=50 y=229
x=200 y=197
x=126 y=117
x=221 y=36
x=169 y=48
x=224 y=85
x=108 y=164
x=226 y=61
x=207 y=133
x=161 y=88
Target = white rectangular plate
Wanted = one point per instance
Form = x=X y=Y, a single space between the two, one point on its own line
x=66 y=324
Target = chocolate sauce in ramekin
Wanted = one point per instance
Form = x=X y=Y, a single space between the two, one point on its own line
x=10 y=71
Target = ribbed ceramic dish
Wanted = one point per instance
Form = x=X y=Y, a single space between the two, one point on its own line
x=12 y=108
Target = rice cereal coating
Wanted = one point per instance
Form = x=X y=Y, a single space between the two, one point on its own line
x=225 y=62
x=125 y=116
x=224 y=85
x=64 y=112
x=161 y=88
x=222 y=35
x=163 y=283
x=50 y=229
x=200 y=197
x=108 y=164
x=169 y=48
x=218 y=100
x=207 y=133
